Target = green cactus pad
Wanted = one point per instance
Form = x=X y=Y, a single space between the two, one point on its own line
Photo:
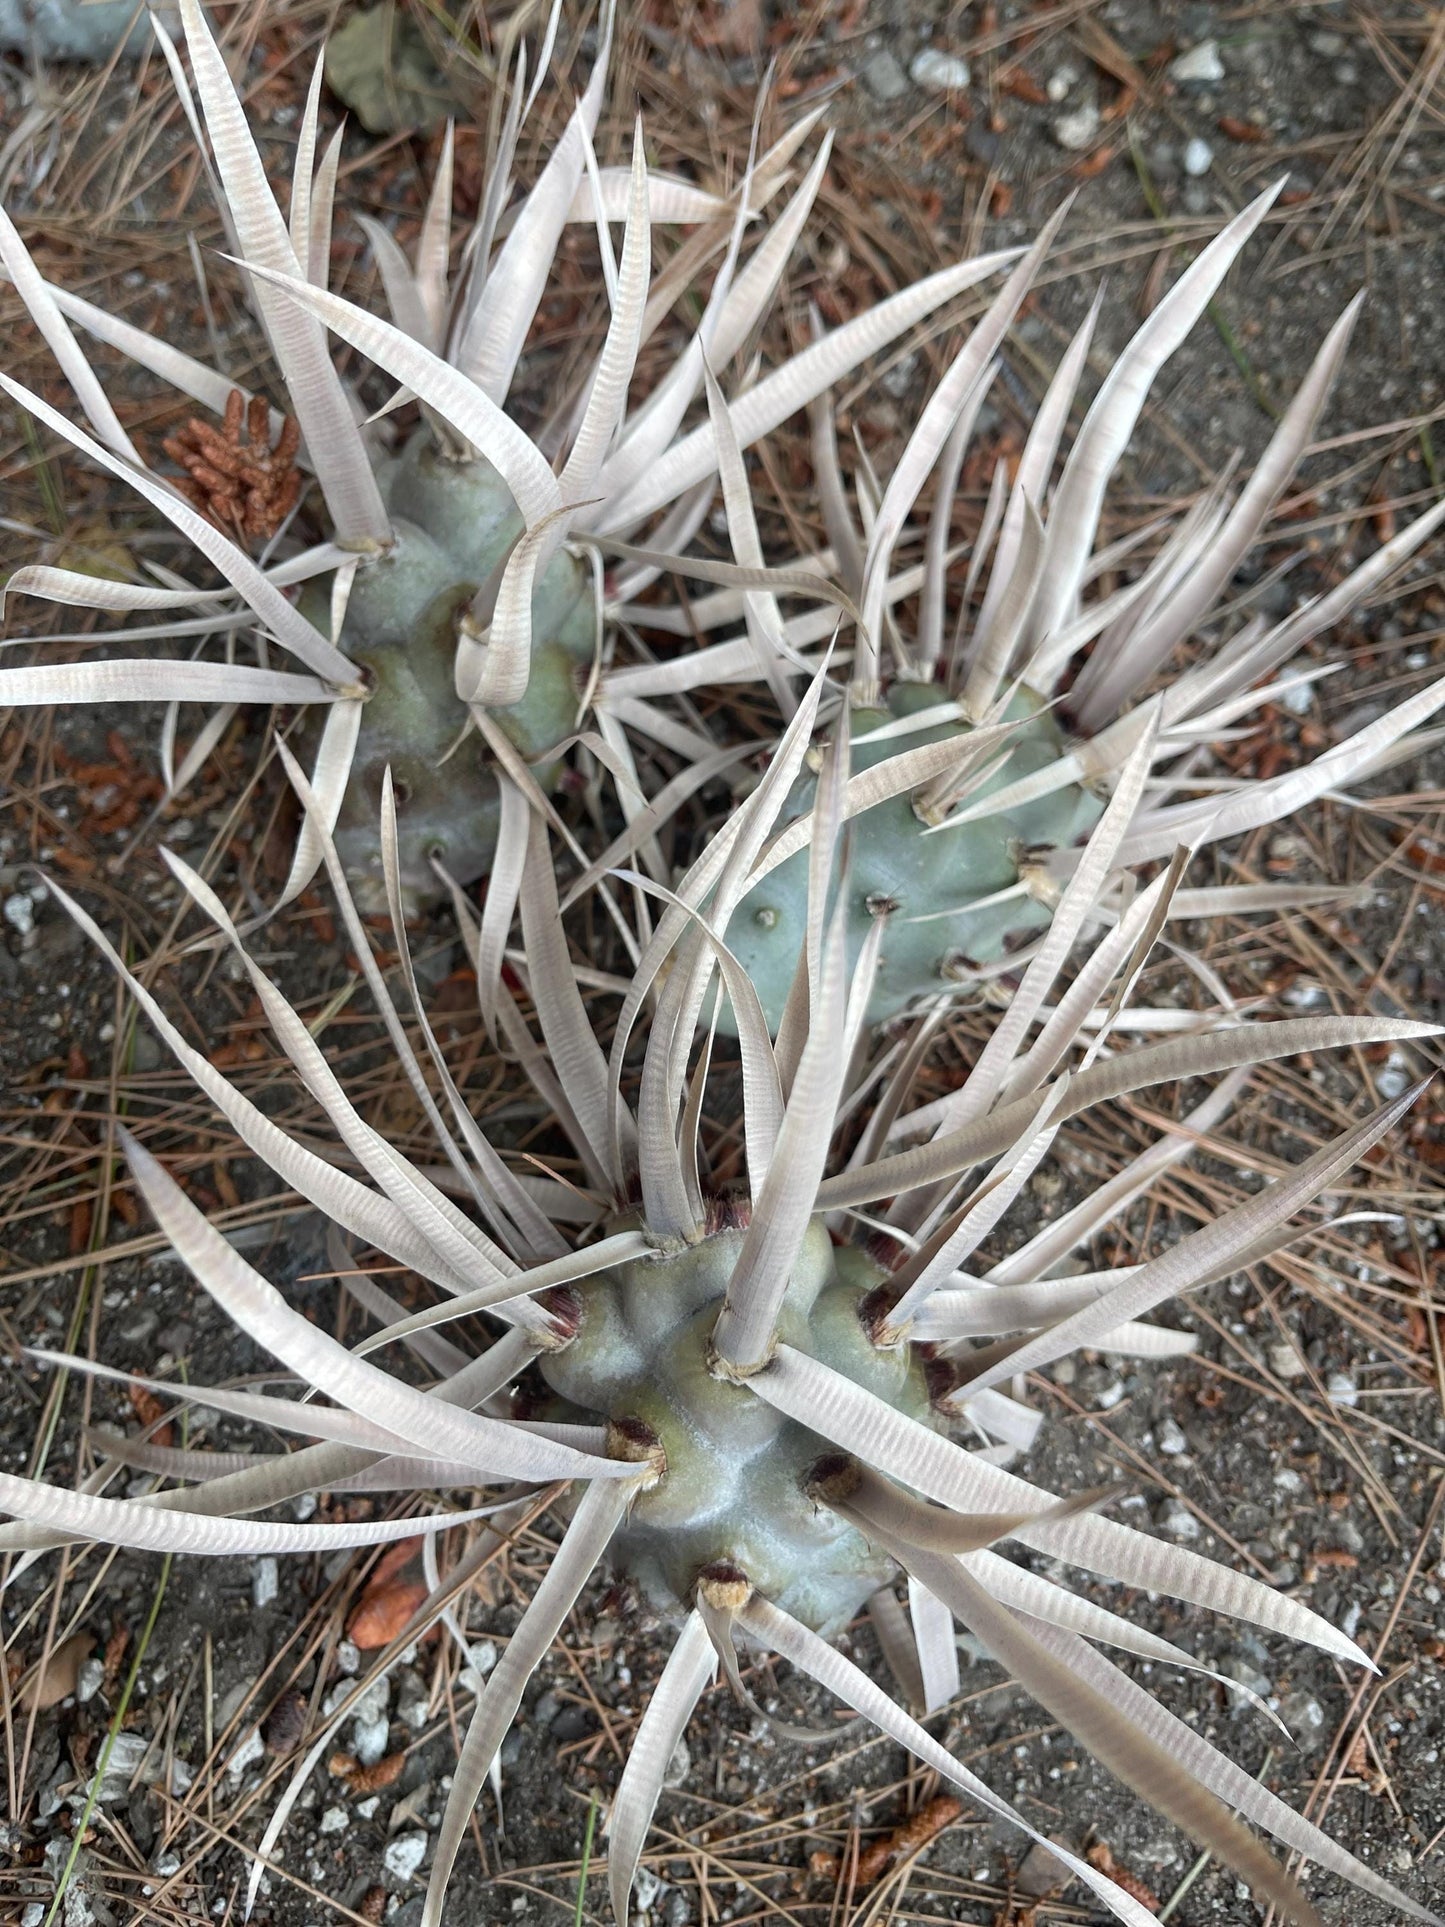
x=454 y=524
x=733 y=1491
x=911 y=877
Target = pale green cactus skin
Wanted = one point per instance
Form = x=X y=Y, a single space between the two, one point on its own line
x=898 y=870
x=454 y=523
x=733 y=1492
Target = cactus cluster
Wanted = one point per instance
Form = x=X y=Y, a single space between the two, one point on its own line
x=757 y=1404
x=778 y=1397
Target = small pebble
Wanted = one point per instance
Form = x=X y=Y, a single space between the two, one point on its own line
x=1077 y=130
x=883 y=77
x=1059 y=83
x=1199 y=66
x=251 y=1749
x=897 y=380
x=369 y=1737
x=1305 y=996
x=20 y=913
x=1328 y=45
x=679 y=1767
x=1250 y=1676
x=1297 y=698
x=33 y=1914
x=348 y=1657
x=87 y=1682
x=1305 y=1718
x=1178 y=1520
x=939 y=72
x=1171 y=1439
x=1393 y=1077
x=265 y=1582
x=1198 y=157
x=1285 y=1362
x=404 y=1855
x=333 y=1820
x=1341 y=1389
x=482 y=1657
x=1110 y=1396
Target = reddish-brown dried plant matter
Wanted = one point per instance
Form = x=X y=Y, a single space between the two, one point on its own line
x=234 y=475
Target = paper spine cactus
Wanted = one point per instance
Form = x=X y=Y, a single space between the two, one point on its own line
x=758 y=1410
x=466 y=530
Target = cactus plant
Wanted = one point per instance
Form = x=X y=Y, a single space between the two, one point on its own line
x=757 y=1406
x=984 y=761
x=444 y=599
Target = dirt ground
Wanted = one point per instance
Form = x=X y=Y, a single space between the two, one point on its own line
x=1306 y=1438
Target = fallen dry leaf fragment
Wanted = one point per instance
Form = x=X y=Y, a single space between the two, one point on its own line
x=54 y=1677
x=909 y=1839
x=366 y=1779
x=380 y=1615
x=1100 y=1856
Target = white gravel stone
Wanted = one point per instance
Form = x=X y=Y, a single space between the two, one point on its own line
x=883 y=77
x=1341 y=1389
x=368 y=1739
x=1285 y=1361
x=1198 y=157
x=1393 y=1077
x=1199 y=66
x=20 y=913
x=1178 y=1521
x=404 y=1855
x=1111 y=1395
x=251 y=1749
x=333 y=1820
x=1171 y=1439
x=938 y=72
x=126 y=1753
x=483 y=1657
x=265 y=1582
x=1076 y=131
x=87 y=1682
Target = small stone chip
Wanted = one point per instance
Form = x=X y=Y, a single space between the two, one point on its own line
x=404 y=1855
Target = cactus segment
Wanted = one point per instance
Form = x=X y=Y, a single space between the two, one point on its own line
x=454 y=523
x=910 y=877
x=733 y=1491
